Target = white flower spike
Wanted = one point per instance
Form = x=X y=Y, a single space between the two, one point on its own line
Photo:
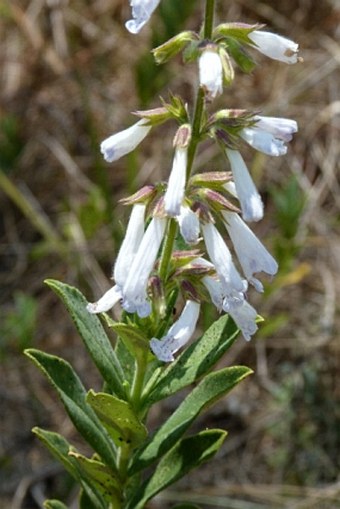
x=130 y=244
x=178 y=334
x=252 y=254
x=275 y=46
x=270 y=134
x=120 y=144
x=250 y=200
x=141 y=13
x=135 y=299
x=211 y=73
x=176 y=185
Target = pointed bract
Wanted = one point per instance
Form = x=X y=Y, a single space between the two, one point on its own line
x=120 y=144
x=178 y=334
x=141 y=13
x=250 y=200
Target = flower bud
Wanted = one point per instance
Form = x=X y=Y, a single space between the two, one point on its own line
x=211 y=72
x=170 y=48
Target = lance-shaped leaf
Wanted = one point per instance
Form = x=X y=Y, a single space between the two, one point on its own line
x=93 y=335
x=85 y=502
x=210 y=389
x=73 y=395
x=118 y=418
x=100 y=477
x=54 y=504
x=186 y=455
x=195 y=361
x=59 y=447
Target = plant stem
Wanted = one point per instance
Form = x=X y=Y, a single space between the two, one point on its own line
x=167 y=249
x=138 y=381
x=196 y=129
x=199 y=106
x=209 y=18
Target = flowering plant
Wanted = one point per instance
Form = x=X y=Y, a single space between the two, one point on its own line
x=173 y=256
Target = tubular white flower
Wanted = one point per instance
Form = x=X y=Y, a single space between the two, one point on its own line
x=275 y=46
x=135 y=297
x=263 y=141
x=120 y=144
x=245 y=318
x=189 y=225
x=141 y=13
x=250 y=200
x=232 y=284
x=282 y=128
x=106 y=302
x=211 y=73
x=270 y=134
x=130 y=244
x=243 y=315
x=252 y=254
x=178 y=334
x=176 y=186
x=214 y=288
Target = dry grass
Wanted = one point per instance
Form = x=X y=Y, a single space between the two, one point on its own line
x=68 y=79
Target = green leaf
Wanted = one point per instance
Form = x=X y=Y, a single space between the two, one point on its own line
x=93 y=335
x=59 y=447
x=132 y=337
x=195 y=361
x=99 y=476
x=54 y=504
x=186 y=455
x=86 y=502
x=118 y=418
x=73 y=395
x=211 y=388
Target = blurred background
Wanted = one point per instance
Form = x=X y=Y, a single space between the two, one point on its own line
x=70 y=74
